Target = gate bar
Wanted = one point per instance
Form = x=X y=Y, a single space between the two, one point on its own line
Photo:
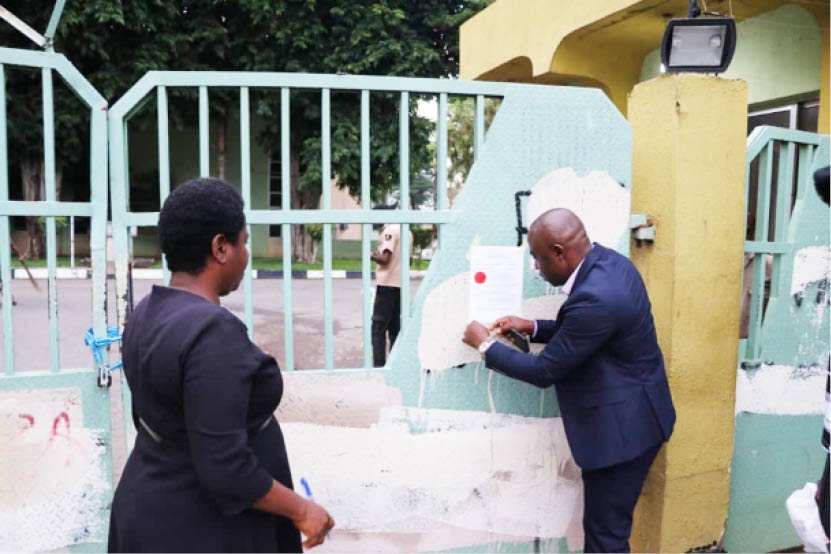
x=326 y=184
x=305 y=217
x=366 y=230
x=51 y=231
x=285 y=230
x=245 y=184
x=478 y=126
x=404 y=203
x=441 y=162
x=784 y=186
x=754 y=338
x=54 y=20
x=204 y=150
x=164 y=161
x=803 y=178
x=5 y=235
x=45 y=208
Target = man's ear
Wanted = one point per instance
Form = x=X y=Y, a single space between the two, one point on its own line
x=219 y=248
x=557 y=249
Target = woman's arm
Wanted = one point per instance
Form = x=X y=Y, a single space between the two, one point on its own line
x=312 y=520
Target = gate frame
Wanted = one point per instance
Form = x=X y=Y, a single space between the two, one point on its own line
x=95 y=399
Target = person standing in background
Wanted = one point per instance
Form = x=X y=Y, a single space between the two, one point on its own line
x=386 y=312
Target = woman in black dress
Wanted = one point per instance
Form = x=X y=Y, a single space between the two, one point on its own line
x=209 y=470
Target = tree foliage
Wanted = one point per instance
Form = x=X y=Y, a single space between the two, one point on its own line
x=460 y=137
x=114 y=43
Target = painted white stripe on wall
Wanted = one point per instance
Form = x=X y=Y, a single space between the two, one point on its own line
x=601 y=203
x=781 y=390
x=810 y=264
x=444 y=318
x=417 y=468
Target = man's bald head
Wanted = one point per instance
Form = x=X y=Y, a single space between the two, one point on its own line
x=558 y=242
x=560 y=225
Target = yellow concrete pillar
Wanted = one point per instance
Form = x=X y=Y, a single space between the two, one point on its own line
x=688 y=176
x=824 y=121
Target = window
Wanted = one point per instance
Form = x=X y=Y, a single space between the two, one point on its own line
x=802 y=116
x=275 y=193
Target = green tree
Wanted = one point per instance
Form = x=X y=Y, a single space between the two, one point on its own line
x=111 y=44
x=460 y=114
x=395 y=37
x=115 y=43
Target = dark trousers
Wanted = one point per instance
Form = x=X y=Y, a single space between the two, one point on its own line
x=386 y=321
x=610 y=497
x=822 y=498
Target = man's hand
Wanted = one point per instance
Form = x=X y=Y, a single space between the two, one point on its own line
x=475 y=333
x=381 y=258
x=524 y=326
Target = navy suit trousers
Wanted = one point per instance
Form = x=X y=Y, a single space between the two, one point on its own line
x=610 y=497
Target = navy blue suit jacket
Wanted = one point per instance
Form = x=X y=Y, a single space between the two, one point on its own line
x=603 y=357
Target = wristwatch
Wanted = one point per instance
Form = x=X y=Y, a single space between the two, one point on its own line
x=484 y=345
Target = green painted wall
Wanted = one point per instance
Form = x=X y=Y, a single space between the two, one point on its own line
x=534 y=132
x=773 y=456
x=777 y=53
x=779 y=421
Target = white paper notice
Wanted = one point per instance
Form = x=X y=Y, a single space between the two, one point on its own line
x=495 y=283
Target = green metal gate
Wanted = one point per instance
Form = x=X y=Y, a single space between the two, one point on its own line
x=157 y=83
x=56 y=481
x=781 y=377
x=528 y=145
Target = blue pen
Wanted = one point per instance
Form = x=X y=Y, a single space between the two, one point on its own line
x=306 y=487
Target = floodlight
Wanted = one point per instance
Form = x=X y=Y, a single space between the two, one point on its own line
x=702 y=45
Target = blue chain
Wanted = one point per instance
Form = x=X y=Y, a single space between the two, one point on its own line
x=95 y=343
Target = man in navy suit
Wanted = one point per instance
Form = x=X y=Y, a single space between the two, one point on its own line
x=602 y=355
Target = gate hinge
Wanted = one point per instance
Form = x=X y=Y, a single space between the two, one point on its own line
x=642 y=228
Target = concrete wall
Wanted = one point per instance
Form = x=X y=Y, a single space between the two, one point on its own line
x=688 y=177
x=56 y=468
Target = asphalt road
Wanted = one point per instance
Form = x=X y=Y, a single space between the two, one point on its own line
x=31 y=321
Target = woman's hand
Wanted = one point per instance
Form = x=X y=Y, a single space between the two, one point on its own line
x=524 y=326
x=314 y=522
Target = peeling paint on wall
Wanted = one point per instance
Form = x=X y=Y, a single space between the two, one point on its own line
x=810 y=265
x=51 y=471
x=781 y=390
x=444 y=318
x=417 y=469
x=596 y=198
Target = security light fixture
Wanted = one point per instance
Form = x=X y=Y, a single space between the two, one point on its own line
x=703 y=45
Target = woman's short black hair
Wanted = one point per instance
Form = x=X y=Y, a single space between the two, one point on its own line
x=193 y=214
